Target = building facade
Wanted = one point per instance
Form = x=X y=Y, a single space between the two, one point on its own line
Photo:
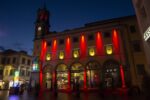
x=15 y=68
x=143 y=16
x=108 y=53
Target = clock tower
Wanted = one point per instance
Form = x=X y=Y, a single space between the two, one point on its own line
x=42 y=23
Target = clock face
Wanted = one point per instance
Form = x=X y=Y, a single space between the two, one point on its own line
x=39 y=28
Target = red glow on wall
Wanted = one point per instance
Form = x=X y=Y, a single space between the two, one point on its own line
x=99 y=44
x=68 y=48
x=122 y=76
x=85 y=79
x=83 y=46
x=54 y=77
x=54 y=49
x=115 y=40
x=43 y=50
x=41 y=80
x=42 y=59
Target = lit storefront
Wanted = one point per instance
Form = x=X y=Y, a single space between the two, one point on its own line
x=62 y=76
x=89 y=75
x=111 y=74
x=94 y=75
x=96 y=54
x=77 y=74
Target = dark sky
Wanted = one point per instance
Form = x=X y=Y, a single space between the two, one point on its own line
x=17 y=17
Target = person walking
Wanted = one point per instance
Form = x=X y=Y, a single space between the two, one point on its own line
x=77 y=88
x=55 y=90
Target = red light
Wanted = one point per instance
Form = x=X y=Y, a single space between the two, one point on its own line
x=54 y=77
x=41 y=80
x=115 y=41
x=54 y=49
x=83 y=46
x=68 y=48
x=42 y=58
x=122 y=76
x=99 y=44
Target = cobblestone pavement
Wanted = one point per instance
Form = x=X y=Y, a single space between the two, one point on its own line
x=4 y=95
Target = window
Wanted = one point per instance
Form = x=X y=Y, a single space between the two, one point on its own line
x=48 y=56
x=109 y=49
x=107 y=34
x=49 y=43
x=61 y=55
x=76 y=53
x=1 y=71
x=12 y=72
x=91 y=51
x=28 y=73
x=90 y=37
x=3 y=60
x=75 y=39
x=8 y=60
x=14 y=60
x=29 y=62
x=61 y=41
x=22 y=72
x=136 y=46
x=23 y=60
x=140 y=69
x=132 y=29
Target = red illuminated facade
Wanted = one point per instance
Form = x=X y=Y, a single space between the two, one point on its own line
x=99 y=53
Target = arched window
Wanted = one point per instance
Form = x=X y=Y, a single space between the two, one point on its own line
x=111 y=74
x=77 y=74
x=93 y=74
x=62 y=76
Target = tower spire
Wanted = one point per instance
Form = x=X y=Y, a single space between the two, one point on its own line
x=42 y=22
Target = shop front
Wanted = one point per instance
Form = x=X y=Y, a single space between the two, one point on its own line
x=47 y=73
x=62 y=76
x=77 y=75
x=94 y=74
x=111 y=74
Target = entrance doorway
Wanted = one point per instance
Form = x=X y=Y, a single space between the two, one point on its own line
x=77 y=75
x=93 y=74
x=111 y=74
x=62 y=76
x=47 y=71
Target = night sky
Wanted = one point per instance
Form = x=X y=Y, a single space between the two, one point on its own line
x=17 y=17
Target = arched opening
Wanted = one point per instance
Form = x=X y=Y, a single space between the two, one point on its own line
x=77 y=75
x=62 y=76
x=47 y=76
x=8 y=77
x=111 y=74
x=93 y=74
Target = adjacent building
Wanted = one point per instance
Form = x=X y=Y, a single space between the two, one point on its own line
x=108 y=53
x=143 y=16
x=15 y=68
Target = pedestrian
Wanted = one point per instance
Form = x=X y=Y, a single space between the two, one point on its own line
x=37 y=89
x=29 y=88
x=77 y=88
x=21 y=89
x=73 y=85
x=55 y=89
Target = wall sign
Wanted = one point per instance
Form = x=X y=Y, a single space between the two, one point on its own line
x=147 y=34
